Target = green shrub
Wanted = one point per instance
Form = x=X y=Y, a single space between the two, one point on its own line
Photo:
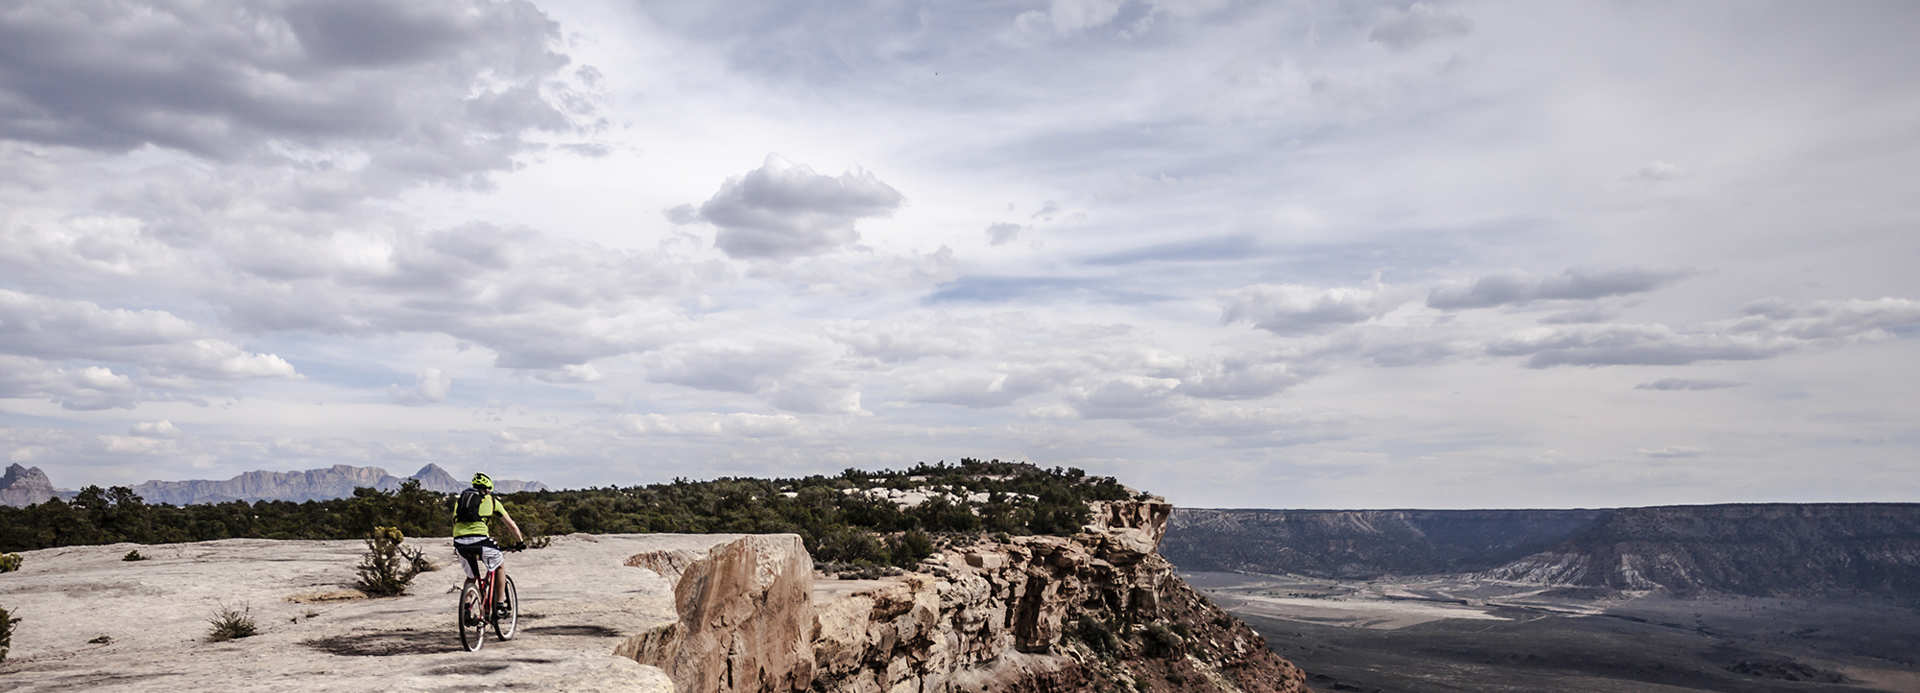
x=6 y=632
x=908 y=548
x=1161 y=641
x=231 y=624
x=133 y=555
x=384 y=571
x=9 y=562
x=1097 y=634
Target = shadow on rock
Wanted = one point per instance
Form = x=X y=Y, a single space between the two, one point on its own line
x=386 y=644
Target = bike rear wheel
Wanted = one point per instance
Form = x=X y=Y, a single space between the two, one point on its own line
x=503 y=626
x=472 y=623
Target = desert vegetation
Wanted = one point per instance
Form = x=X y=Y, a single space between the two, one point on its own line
x=231 y=623
x=855 y=518
x=388 y=564
x=6 y=632
x=9 y=562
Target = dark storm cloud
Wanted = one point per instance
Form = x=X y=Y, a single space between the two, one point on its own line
x=411 y=84
x=784 y=209
x=1511 y=289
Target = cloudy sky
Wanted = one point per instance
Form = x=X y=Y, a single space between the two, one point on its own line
x=1255 y=254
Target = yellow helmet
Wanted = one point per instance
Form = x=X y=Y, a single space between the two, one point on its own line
x=481 y=480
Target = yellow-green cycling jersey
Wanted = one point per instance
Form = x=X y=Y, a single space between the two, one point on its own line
x=489 y=507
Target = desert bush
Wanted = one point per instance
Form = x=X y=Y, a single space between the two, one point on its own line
x=383 y=571
x=230 y=623
x=6 y=632
x=133 y=555
x=539 y=541
x=1097 y=634
x=1161 y=641
x=9 y=562
x=908 y=548
x=417 y=559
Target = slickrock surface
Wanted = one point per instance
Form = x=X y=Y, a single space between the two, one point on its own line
x=579 y=602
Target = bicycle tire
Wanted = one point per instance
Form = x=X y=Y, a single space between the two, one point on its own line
x=473 y=631
x=513 y=612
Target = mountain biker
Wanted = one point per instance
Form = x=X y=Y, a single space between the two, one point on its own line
x=470 y=538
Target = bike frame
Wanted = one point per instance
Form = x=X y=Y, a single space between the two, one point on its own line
x=485 y=583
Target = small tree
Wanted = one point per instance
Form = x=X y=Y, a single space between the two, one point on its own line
x=6 y=632
x=9 y=562
x=384 y=570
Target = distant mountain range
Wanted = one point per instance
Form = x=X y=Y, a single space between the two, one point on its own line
x=1755 y=549
x=27 y=485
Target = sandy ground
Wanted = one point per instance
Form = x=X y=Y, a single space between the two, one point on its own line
x=577 y=603
x=1358 y=613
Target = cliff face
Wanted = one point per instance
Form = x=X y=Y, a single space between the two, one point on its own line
x=24 y=486
x=1753 y=549
x=1097 y=611
x=1760 y=549
x=1363 y=544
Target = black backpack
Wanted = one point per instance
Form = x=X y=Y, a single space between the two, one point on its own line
x=466 y=508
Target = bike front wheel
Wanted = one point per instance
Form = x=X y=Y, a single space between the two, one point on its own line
x=504 y=624
x=472 y=623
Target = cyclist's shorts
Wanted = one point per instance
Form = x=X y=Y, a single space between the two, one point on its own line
x=478 y=548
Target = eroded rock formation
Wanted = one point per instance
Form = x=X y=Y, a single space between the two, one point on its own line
x=1100 y=610
x=24 y=486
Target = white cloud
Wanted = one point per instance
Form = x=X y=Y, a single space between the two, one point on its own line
x=1670 y=452
x=154 y=429
x=1002 y=233
x=1291 y=309
x=430 y=387
x=1673 y=384
x=784 y=209
x=715 y=425
x=1571 y=285
x=1201 y=191
x=1417 y=24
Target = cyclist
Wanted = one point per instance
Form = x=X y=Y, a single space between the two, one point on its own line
x=470 y=538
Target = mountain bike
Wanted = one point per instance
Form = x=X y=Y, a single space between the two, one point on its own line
x=476 y=611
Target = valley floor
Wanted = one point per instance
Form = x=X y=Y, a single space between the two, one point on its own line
x=1459 y=634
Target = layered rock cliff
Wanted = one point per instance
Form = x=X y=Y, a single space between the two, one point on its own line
x=1100 y=610
x=1754 y=549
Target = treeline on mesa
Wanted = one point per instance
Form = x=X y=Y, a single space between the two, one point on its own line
x=841 y=519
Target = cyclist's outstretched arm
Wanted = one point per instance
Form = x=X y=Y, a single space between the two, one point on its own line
x=518 y=538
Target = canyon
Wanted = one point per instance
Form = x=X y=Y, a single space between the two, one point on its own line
x=1736 y=597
